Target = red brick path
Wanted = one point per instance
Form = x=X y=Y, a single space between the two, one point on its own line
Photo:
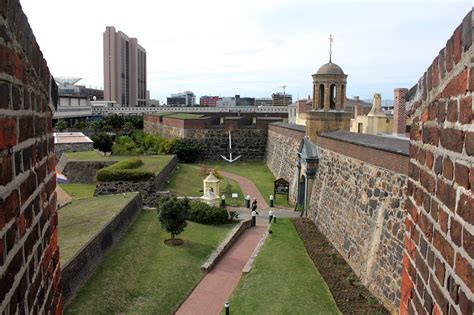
x=216 y=287
x=248 y=188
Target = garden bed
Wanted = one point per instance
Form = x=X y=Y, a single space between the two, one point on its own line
x=350 y=295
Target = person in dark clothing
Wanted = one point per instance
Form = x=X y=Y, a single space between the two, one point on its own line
x=254 y=205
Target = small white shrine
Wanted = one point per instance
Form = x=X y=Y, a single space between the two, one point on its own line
x=211 y=190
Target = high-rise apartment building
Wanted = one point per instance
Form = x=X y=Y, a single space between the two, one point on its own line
x=124 y=69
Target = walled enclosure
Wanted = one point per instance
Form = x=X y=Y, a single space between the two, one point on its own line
x=150 y=190
x=29 y=255
x=81 y=266
x=438 y=262
x=248 y=139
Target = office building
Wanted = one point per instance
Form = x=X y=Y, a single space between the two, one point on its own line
x=124 y=69
x=281 y=99
x=208 y=101
x=187 y=98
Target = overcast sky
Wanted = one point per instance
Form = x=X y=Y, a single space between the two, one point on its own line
x=250 y=47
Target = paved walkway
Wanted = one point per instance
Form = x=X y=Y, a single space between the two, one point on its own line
x=215 y=288
x=248 y=188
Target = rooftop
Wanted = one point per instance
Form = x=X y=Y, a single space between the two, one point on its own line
x=70 y=137
x=388 y=144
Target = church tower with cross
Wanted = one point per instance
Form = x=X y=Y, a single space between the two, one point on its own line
x=329 y=94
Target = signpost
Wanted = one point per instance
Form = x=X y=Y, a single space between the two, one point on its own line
x=281 y=187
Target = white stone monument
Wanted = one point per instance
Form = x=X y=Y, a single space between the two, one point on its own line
x=211 y=190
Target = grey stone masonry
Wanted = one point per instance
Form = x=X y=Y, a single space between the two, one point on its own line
x=358 y=206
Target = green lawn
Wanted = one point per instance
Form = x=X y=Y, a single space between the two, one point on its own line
x=79 y=191
x=142 y=275
x=258 y=173
x=284 y=280
x=151 y=163
x=81 y=219
x=185 y=116
x=186 y=181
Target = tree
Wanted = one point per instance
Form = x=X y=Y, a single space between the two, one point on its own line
x=95 y=125
x=103 y=142
x=61 y=125
x=128 y=126
x=187 y=150
x=172 y=214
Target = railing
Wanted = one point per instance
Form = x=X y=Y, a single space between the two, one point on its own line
x=99 y=110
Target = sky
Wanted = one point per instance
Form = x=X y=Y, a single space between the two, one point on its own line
x=250 y=47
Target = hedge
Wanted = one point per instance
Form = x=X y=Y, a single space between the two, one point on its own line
x=200 y=212
x=125 y=170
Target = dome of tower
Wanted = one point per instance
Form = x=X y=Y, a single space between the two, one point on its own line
x=330 y=68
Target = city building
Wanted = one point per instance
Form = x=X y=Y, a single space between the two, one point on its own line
x=125 y=78
x=187 y=98
x=226 y=102
x=281 y=99
x=375 y=122
x=208 y=101
x=244 y=101
x=68 y=86
x=72 y=106
x=263 y=101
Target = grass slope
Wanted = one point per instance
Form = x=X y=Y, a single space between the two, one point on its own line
x=81 y=219
x=283 y=280
x=186 y=181
x=151 y=163
x=79 y=191
x=142 y=275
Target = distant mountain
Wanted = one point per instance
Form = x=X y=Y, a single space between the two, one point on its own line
x=385 y=103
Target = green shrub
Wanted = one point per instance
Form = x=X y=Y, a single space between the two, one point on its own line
x=206 y=214
x=187 y=150
x=172 y=214
x=125 y=170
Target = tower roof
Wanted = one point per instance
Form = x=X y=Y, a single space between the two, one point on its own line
x=330 y=68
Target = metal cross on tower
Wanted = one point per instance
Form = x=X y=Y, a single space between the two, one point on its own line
x=331 y=39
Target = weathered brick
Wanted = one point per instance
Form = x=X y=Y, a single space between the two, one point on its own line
x=430 y=134
x=441 y=111
x=455 y=232
x=440 y=298
x=457 y=45
x=27 y=128
x=429 y=159
x=470 y=84
x=465 y=110
x=5 y=98
x=452 y=139
x=469 y=143
x=468 y=243
x=444 y=247
x=435 y=73
x=461 y=175
x=446 y=193
x=449 y=55
x=448 y=168
x=6 y=170
x=464 y=209
x=7 y=133
x=457 y=85
x=9 y=208
x=465 y=271
x=465 y=304
x=452 y=114
x=428 y=181
x=439 y=270
x=27 y=187
x=438 y=166
x=16 y=98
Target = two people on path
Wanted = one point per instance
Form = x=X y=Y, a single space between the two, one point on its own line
x=254 y=205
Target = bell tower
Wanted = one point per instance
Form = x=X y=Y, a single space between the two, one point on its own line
x=329 y=94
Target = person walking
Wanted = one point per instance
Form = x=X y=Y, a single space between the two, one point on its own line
x=254 y=205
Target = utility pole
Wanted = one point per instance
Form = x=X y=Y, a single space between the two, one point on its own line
x=284 y=95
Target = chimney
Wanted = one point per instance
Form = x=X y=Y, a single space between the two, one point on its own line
x=356 y=98
x=399 y=111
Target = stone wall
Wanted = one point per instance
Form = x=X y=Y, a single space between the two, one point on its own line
x=80 y=267
x=358 y=207
x=83 y=171
x=438 y=262
x=29 y=254
x=150 y=190
x=60 y=148
x=282 y=148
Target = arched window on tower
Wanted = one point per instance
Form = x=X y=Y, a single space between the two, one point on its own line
x=332 y=102
x=321 y=96
x=343 y=95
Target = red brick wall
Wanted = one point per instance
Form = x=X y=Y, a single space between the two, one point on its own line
x=438 y=263
x=399 y=111
x=29 y=254
x=392 y=161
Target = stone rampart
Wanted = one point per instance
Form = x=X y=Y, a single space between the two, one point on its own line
x=29 y=254
x=281 y=153
x=150 y=190
x=80 y=267
x=60 y=148
x=84 y=171
x=438 y=262
x=357 y=205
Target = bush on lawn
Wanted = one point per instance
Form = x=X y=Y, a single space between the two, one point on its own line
x=200 y=212
x=125 y=170
x=187 y=150
x=172 y=214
